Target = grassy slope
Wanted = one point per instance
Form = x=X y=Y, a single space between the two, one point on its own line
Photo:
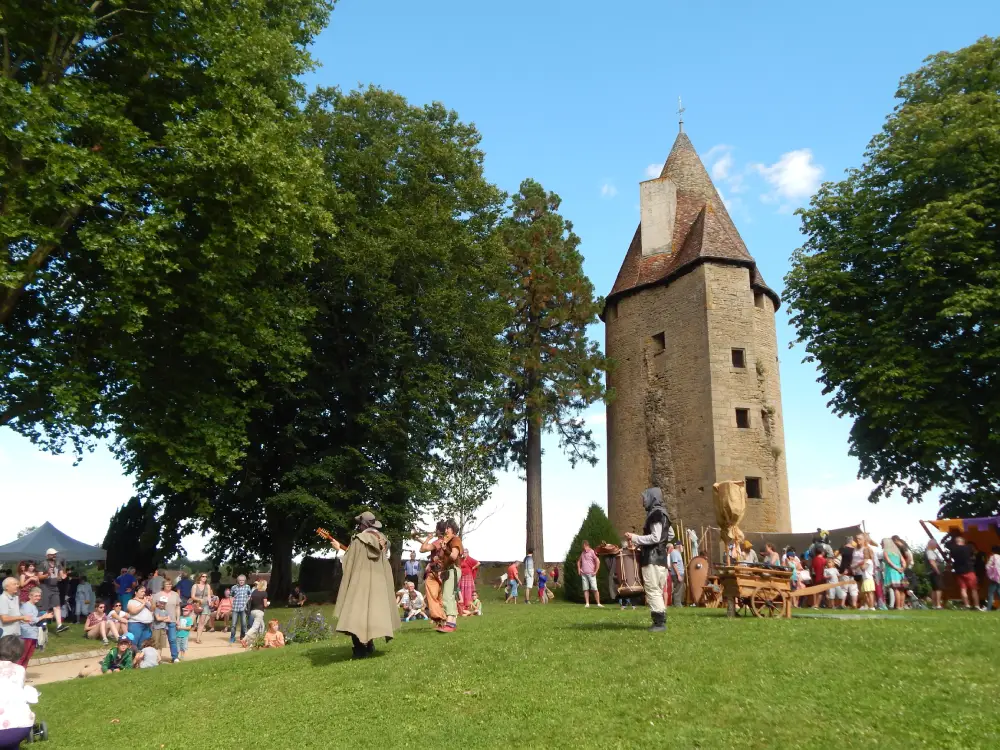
x=562 y=676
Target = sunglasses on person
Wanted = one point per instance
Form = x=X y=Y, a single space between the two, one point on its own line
x=100 y=606
x=118 y=605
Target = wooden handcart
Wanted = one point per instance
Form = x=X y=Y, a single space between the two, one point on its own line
x=761 y=590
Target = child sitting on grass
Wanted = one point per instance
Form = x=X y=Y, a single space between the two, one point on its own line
x=184 y=626
x=119 y=657
x=149 y=657
x=475 y=607
x=273 y=638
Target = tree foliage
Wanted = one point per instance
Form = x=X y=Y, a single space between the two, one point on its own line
x=896 y=293
x=596 y=528
x=554 y=371
x=462 y=473
x=406 y=331
x=155 y=191
x=133 y=538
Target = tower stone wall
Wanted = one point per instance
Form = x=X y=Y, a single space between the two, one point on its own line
x=690 y=329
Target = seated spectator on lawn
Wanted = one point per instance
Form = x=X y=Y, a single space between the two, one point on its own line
x=96 y=625
x=296 y=598
x=16 y=717
x=149 y=656
x=412 y=602
x=475 y=606
x=30 y=625
x=119 y=657
x=273 y=638
x=117 y=620
x=224 y=610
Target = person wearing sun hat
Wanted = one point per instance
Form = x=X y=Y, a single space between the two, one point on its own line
x=366 y=602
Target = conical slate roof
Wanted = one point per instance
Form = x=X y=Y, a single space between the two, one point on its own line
x=703 y=231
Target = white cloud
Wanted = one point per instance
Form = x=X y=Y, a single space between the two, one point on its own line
x=653 y=171
x=722 y=166
x=793 y=178
x=608 y=190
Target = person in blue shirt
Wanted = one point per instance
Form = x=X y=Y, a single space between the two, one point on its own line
x=542 y=580
x=184 y=587
x=411 y=569
x=125 y=583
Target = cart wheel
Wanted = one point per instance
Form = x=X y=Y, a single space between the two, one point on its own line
x=43 y=731
x=767 y=602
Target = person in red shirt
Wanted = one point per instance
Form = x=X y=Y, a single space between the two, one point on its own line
x=818 y=565
x=513 y=581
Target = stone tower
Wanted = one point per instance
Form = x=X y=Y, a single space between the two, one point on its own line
x=690 y=327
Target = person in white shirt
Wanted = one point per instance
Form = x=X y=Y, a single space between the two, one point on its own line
x=15 y=696
x=10 y=609
x=84 y=599
x=412 y=602
x=837 y=596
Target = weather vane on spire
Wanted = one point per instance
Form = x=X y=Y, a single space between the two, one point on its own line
x=680 y=114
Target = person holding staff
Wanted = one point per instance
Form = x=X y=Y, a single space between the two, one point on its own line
x=366 y=604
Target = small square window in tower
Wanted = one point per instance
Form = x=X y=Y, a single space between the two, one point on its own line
x=758 y=299
x=659 y=342
x=743 y=418
x=753 y=487
x=739 y=358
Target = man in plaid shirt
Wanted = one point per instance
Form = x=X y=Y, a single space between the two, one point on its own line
x=240 y=594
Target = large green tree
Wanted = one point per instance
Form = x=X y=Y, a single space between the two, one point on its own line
x=133 y=538
x=155 y=191
x=554 y=371
x=896 y=293
x=406 y=332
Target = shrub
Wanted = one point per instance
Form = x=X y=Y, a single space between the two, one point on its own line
x=596 y=528
x=307 y=625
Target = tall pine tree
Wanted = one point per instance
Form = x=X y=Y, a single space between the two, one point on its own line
x=554 y=370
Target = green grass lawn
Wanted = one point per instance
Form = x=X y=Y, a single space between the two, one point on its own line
x=562 y=676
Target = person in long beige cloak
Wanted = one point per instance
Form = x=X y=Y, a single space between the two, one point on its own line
x=366 y=602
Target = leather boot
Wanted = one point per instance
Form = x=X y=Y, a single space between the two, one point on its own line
x=659 y=622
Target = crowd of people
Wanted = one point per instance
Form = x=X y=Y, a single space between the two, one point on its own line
x=872 y=576
x=147 y=613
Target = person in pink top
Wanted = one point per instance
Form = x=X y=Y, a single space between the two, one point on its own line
x=587 y=565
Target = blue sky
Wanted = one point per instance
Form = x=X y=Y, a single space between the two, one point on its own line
x=582 y=96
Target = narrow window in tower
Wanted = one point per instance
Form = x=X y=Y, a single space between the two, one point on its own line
x=753 y=487
x=659 y=342
x=743 y=418
x=739 y=358
x=758 y=299
x=612 y=312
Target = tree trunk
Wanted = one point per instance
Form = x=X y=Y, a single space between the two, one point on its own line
x=396 y=560
x=533 y=472
x=280 y=585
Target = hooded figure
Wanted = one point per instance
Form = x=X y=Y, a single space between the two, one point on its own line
x=656 y=532
x=366 y=602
